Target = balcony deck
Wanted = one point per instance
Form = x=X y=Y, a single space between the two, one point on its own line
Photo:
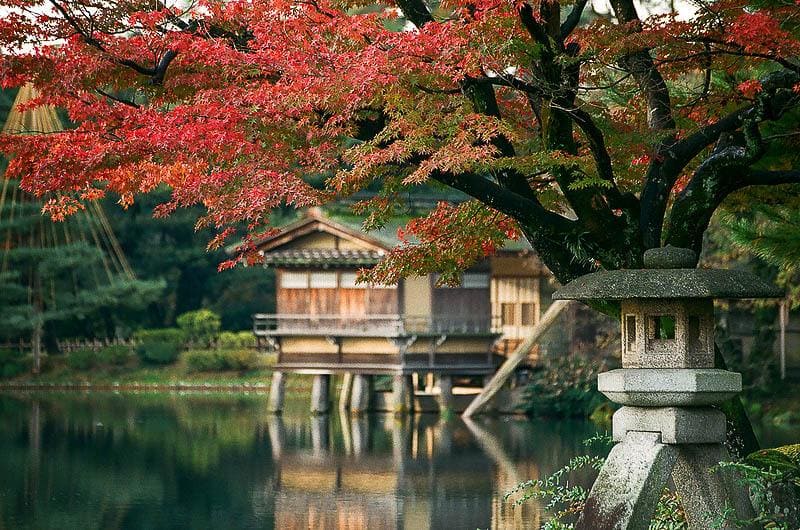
x=378 y=343
x=274 y=325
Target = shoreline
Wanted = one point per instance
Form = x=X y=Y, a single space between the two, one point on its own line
x=111 y=387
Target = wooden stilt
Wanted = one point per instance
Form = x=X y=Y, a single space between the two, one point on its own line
x=362 y=392
x=345 y=394
x=320 y=394
x=402 y=394
x=277 y=392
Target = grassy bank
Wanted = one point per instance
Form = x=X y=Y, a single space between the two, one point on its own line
x=57 y=372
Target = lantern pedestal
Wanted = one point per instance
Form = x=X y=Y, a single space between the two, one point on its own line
x=667 y=386
x=631 y=481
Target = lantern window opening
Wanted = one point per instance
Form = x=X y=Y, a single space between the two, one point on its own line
x=630 y=332
x=661 y=327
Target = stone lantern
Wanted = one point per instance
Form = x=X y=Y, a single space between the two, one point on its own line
x=668 y=387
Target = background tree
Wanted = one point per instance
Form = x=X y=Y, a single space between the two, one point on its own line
x=52 y=276
x=594 y=142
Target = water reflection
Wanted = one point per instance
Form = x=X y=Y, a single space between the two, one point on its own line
x=139 y=461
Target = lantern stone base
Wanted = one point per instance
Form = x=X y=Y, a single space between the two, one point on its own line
x=668 y=387
x=676 y=425
x=631 y=481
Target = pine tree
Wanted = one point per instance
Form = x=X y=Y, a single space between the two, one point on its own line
x=771 y=233
x=58 y=275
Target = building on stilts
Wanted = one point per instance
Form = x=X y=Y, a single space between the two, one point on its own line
x=425 y=337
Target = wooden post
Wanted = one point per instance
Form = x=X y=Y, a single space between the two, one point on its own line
x=510 y=364
x=277 y=392
x=402 y=394
x=345 y=394
x=445 y=395
x=362 y=392
x=320 y=394
x=320 y=439
x=276 y=430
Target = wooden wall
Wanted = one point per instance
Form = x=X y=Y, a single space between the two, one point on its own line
x=335 y=301
x=469 y=303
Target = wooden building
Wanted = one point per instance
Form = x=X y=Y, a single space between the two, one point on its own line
x=327 y=323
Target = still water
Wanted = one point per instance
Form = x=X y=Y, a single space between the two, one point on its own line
x=106 y=461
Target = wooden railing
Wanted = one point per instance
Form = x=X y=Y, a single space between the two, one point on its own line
x=366 y=325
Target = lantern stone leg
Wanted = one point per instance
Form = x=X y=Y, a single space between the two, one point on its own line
x=627 y=490
x=704 y=488
x=668 y=388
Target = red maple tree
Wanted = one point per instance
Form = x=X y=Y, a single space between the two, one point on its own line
x=595 y=138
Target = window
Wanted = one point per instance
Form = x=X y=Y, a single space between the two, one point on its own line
x=630 y=332
x=693 y=331
x=475 y=280
x=507 y=314
x=294 y=280
x=527 y=314
x=348 y=281
x=323 y=280
x=662 y=327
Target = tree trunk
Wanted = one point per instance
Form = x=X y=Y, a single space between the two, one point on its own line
x=36 y=345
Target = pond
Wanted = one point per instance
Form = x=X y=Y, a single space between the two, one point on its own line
x=95 y=460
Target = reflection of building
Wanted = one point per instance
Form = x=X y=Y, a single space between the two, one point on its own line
x=425 y=475
x=328 y=323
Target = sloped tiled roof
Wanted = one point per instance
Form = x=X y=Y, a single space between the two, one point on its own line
x=322 y=256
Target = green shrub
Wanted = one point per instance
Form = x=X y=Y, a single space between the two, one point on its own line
x=204 y=360
x=9 y=355
x=220 y=360
x=172 y=335
x=12 y=369
x=201 y=327
x=13 y=363
x=159 y=352
x=240 y=360
x=159 y=346
x=236 y=339
x=115 y=354
x=83 y=359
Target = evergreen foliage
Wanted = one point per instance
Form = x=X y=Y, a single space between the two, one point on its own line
x=56 y=280
x=772 y=234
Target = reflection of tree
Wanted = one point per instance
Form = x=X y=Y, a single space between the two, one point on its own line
x=144 y=461
x=127 y=462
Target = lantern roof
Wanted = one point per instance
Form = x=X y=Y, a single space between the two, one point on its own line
x=669 y=273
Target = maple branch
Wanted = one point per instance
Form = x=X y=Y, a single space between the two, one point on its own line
x=691 y=219
x=158 y=76
x=523 y=209
x=534 y=28
x=112 y=97
x=596 y=141
x=89 y=39
x=572 y=20
x=716 y=178
x=670 y=159
x=546 y=231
